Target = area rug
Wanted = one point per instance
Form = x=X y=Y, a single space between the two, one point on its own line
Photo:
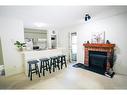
x=93 y=69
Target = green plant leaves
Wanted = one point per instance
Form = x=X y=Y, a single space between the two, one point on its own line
x=19 y=44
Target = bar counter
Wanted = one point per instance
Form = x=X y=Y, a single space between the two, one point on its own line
x=37 y=54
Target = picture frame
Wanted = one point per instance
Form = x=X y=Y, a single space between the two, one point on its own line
x=98 y=37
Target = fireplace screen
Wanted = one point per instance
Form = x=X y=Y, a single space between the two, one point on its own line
x=98 y=60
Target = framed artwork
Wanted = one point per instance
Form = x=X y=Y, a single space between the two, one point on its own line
x=98 y=37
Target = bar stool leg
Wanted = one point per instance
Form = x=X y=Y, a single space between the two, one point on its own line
x=43 y=72
x=53 y=67
x=58 y=66
x=47 y=65
x=61 y=62
x=49 y=69
x=65 y=63
x=41 y=67
x=36 y=68
x=38 y=71
x=57 y=63
x=31 y=75
x=29 y=71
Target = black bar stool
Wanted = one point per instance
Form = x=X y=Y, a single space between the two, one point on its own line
x=63 y=61
x=45 y=65
x=54 y=63
x=33 y=68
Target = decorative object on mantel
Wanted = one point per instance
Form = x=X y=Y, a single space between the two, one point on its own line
x=88 y=42
x=107 y=42
x=98 y=37
x=20 y=45
x=110 y=73
x=85 y=42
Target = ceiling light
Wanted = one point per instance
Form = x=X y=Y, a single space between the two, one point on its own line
x=38 y=24
x=87 y=17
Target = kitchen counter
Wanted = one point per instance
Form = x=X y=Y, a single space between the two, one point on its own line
x=35 y=54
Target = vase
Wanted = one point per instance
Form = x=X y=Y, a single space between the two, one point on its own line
x=20 y=49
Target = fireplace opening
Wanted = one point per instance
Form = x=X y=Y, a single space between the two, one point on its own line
x=98 y=61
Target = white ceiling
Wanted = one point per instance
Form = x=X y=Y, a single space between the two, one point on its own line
x=57 y=16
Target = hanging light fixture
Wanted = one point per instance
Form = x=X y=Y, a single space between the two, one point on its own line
x=87 y=17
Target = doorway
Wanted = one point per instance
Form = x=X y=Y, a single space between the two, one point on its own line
x=2 y=71
x=73 y=47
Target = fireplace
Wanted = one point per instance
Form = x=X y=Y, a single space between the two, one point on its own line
x=99 y=56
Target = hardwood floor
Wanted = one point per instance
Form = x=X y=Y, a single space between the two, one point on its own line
x=67 y=78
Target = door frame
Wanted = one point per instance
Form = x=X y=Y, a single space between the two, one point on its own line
x=70 y=46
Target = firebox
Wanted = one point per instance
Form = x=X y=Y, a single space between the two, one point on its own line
x=98 y=60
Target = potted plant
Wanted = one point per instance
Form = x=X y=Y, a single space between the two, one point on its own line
x=20 y=45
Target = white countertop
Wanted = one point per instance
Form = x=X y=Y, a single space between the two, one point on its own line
x=29 y=51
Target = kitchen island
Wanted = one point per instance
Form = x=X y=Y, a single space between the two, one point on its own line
x=37 y=54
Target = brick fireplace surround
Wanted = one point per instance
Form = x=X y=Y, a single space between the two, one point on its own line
x=109 y=48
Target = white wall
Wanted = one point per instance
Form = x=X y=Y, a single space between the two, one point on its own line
x=11 y=30
x=63 y=40
x=115 y=30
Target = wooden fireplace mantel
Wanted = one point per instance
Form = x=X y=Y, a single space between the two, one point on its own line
x=99 y=45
